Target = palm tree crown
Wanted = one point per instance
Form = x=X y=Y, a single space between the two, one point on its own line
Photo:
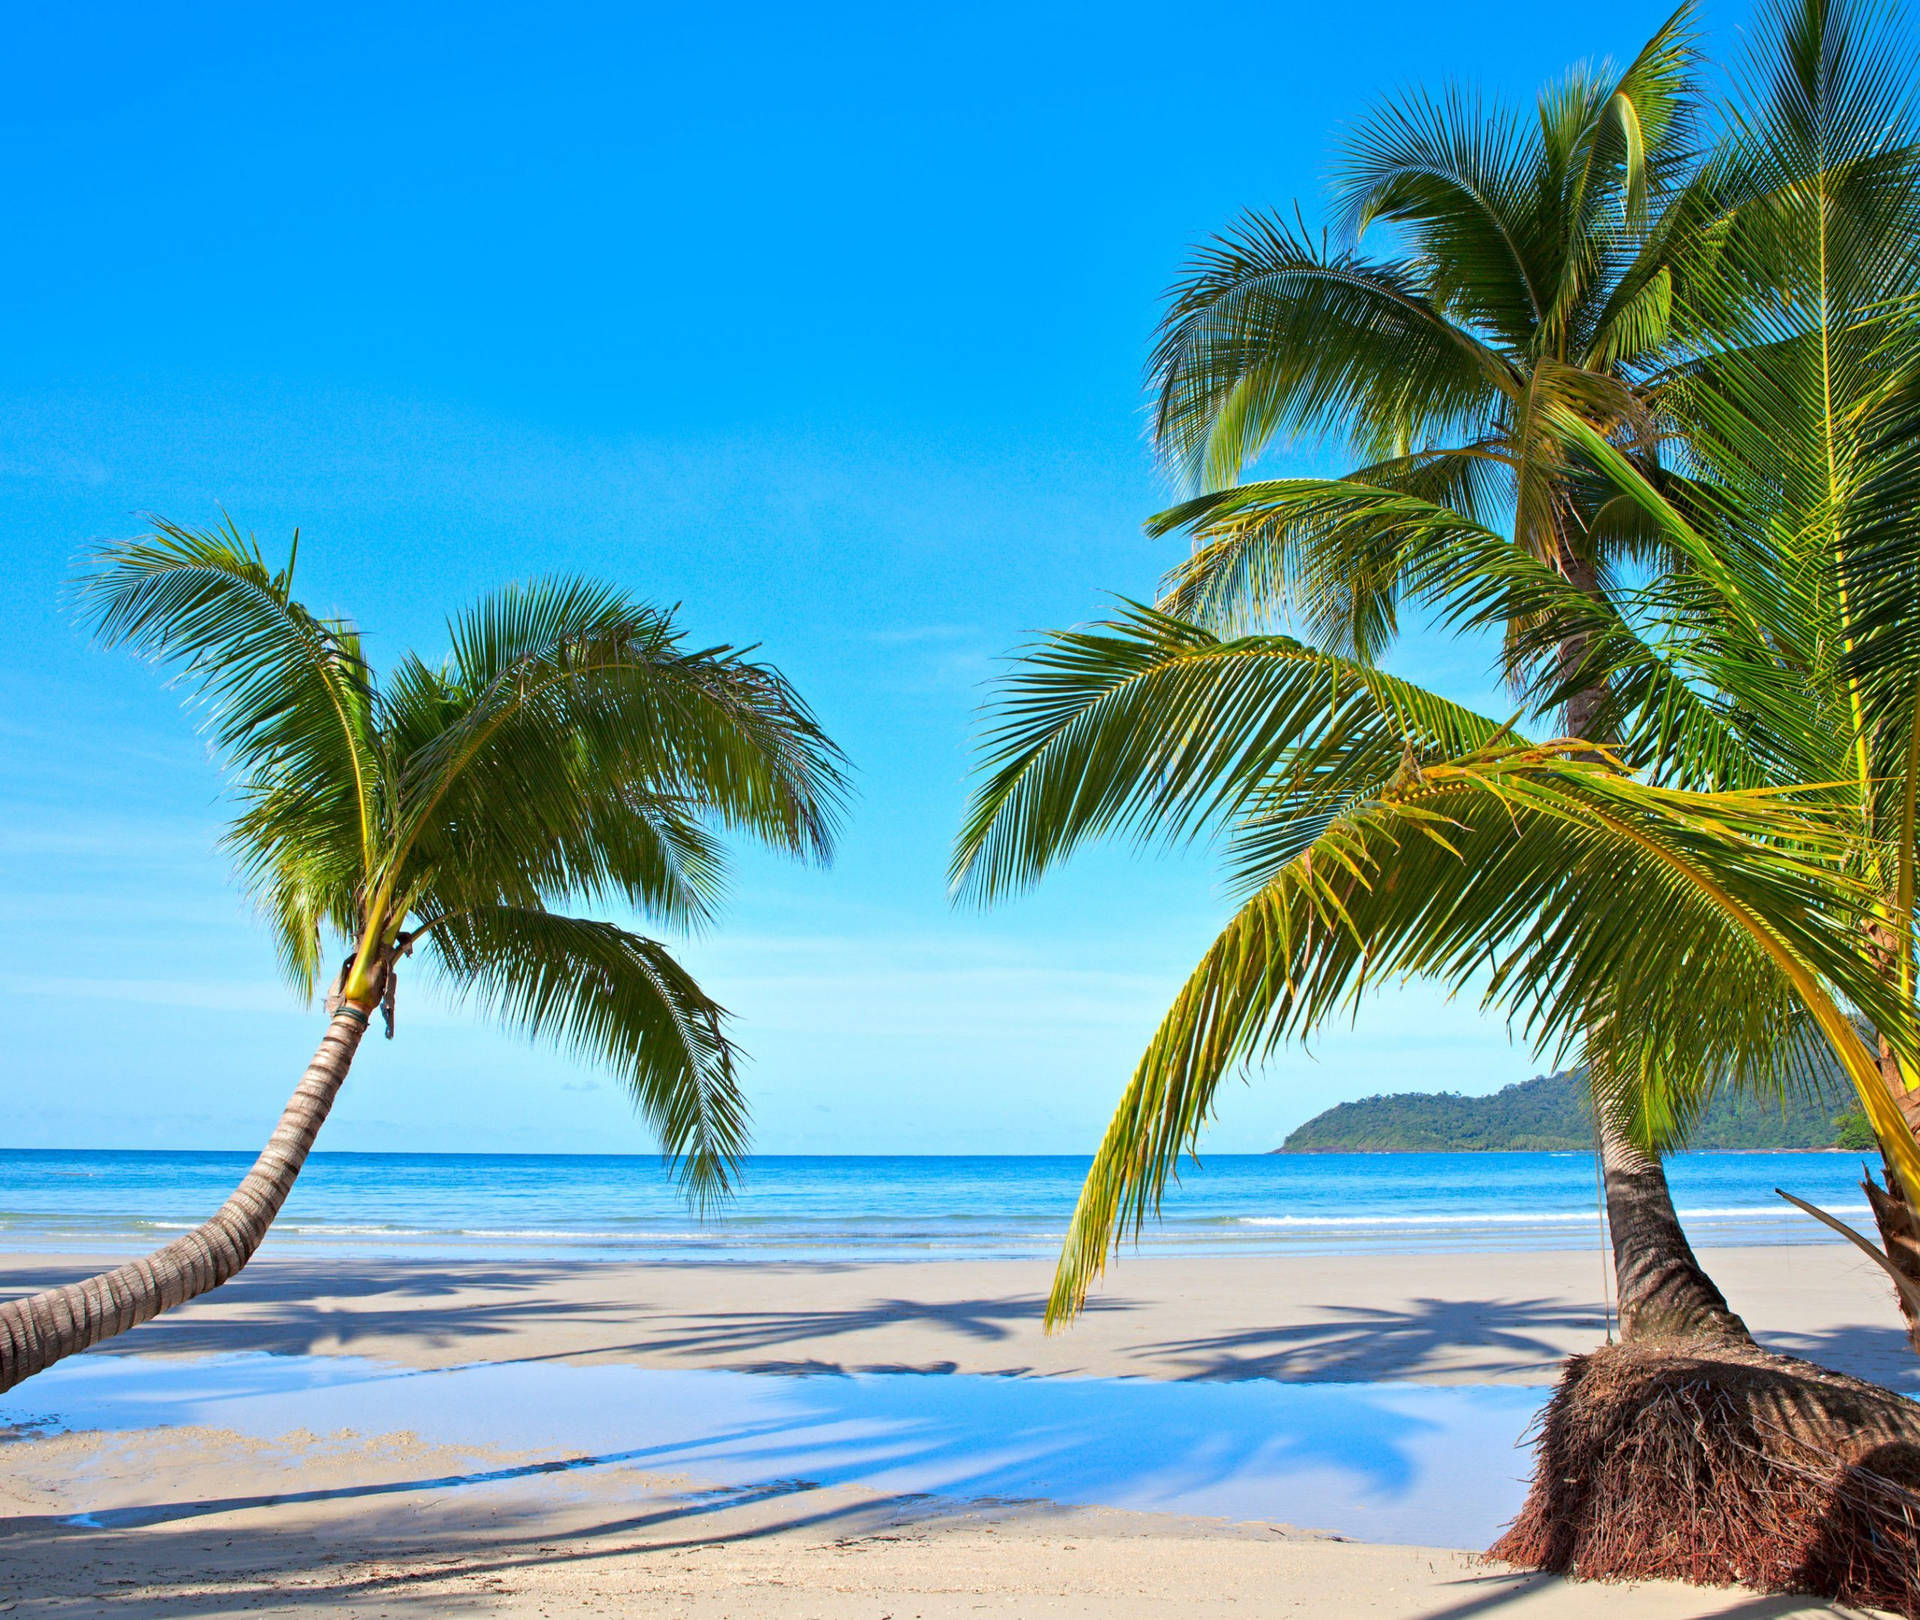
x=570 y=748
x=1376 y=831
x=1564 y=389
x=1534 y=280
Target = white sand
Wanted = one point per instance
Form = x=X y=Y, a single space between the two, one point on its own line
x=360 y=1526
x=1466 y=1318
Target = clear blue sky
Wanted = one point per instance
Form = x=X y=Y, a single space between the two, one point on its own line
x=825 y=322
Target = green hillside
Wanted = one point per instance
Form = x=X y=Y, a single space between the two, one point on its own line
x=1550 y=1114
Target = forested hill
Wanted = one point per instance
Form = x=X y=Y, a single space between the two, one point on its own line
x=1550 y=1114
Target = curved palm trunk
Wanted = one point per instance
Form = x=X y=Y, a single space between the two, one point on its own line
x=40 y=1329
x=1662 y=1289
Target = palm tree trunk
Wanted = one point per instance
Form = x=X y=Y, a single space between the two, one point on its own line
x=40 y=1329
x=1663 y=1292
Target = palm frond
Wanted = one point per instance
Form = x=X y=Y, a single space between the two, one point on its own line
x=618 y=999
x=1455 y=175
x=574 y=744
x=1611 y=151
x=292 y=707
x=1270 y=334
x=1333 y=554
x=1150 y=727
x=1533 y=873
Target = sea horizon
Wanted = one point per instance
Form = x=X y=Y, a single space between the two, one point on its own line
x=881 y=1207
x=752 y=1158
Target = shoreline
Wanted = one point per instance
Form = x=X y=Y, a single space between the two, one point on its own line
x=362 y=1208
x=1363 y=1153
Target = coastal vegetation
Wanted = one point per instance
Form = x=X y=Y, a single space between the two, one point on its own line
x=1634 y=382
x=1553 y=1113
x=1786 y=477
x=571 y=748
x=1521 y=447
x=1523 y=297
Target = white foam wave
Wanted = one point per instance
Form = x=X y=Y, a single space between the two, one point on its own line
x=1495 y=1217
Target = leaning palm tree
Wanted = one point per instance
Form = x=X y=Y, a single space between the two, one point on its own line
x=1376 y=831
x=571 y=747
x=1792 y=437
x=1558 y=286
x=1531 y=279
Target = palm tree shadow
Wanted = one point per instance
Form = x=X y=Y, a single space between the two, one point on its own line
x=1468 y=1339
x=839 y=1439
x=281 y=1562
x=272 y=1557
x=983 y=1320
x=1877 y=1353
x=301 y=1307
x=1089 y=1440
x=466 y=1310
x=1497 y=1591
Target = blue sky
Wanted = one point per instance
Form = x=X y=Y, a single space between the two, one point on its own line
x=825 y=323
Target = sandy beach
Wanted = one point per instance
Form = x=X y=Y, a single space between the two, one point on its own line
x=1488 y=1318
x=196 y=1520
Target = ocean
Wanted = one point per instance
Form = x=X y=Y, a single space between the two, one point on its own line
x=555 y=1206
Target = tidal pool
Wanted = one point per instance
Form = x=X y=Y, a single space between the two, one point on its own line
x=1432 y=1465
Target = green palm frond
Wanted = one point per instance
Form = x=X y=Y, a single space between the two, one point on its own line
x=1334 y=555
x=1303 y=547
x=572 y=747
x=1456 y=176
x=1149 y=727
x=1641 y=1076
x=618 y=1000
x=1612 y=151
x=559 y=678
x=1876 y=571
x=1313 y=546
x=1271 y=334
x=293 y=711
x=1535 y=874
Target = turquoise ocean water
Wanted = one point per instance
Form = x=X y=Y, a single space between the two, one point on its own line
x=872 y=1208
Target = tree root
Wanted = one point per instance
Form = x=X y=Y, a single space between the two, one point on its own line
x=1724 y=1463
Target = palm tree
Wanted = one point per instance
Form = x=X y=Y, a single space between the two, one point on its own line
x=1557 y=282
x=1377 y=831
x=1793 y=429
x=571 y=747
x=1533 y=281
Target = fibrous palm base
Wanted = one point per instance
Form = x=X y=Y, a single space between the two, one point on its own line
x=1725 y=1463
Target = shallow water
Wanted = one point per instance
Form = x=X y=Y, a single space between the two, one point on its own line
x=1422 y=1464
x=620 y=1206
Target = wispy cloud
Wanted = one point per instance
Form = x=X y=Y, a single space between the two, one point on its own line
x=938 y=657
x=105 y=840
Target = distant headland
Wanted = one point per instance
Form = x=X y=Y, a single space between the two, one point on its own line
x=1549 y=1114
